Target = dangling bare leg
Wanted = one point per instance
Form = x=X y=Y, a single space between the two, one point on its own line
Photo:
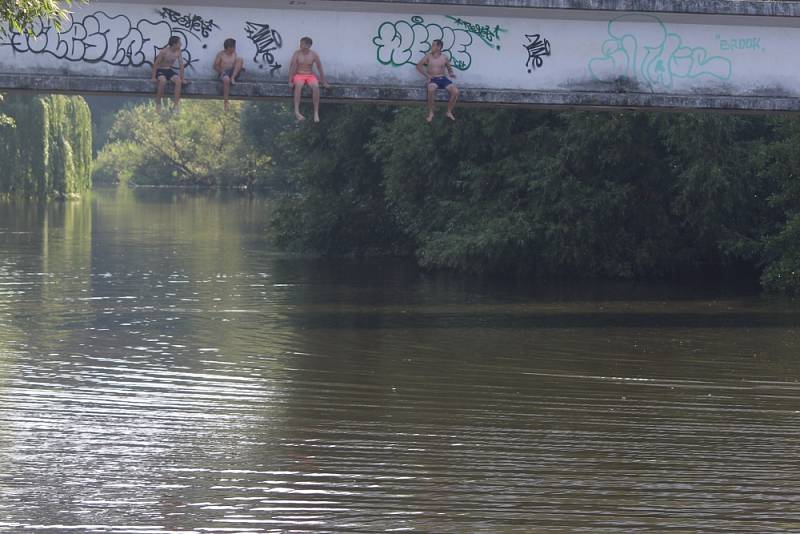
x=431 y=100
x=237 y=68
x=315 y=98
x=162 y=82
x=178 y=84
x=451 y=104
x=226 y=91
x=298 y=92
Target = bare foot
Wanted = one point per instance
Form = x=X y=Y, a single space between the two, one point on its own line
x=430 y=117
x=450 y=116
x=316 y=118
x=299 y=117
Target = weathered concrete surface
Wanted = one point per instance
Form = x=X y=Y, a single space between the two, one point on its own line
x=524 y=7
x=711 y=7
x=84 y=85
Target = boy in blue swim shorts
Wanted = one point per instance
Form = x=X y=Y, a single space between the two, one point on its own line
x=433 y=67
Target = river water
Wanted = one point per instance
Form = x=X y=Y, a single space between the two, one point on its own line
x=162 y=369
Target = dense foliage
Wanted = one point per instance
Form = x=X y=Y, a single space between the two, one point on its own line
x=331 y=192
x=202 y=145
x=47 y=151
x=5 y=120
x=545 y=193
x=21 y=15
x=616 y=195
x=104 y=110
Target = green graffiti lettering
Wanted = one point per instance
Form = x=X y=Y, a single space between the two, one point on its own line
x=747 y=43
x=641 y=48
x=486 y=33
x=406 y=42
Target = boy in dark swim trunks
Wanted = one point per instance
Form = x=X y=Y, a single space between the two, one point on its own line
x=164 y=71
x=436 y=63
x=228 y=65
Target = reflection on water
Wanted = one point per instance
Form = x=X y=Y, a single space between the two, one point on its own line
x=163 y=370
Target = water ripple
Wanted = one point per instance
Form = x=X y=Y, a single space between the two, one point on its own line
x=160 y=375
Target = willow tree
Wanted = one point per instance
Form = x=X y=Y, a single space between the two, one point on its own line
x=48 y=151
x=20 y=16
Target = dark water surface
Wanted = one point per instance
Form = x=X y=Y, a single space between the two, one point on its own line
x=163 y=370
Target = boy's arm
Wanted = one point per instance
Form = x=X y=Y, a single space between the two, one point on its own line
x=322 y=79
x=449 y=67
x=292 y=68
x=421 y=70
x=217 y=63
x=156 y=62
x=180 y=66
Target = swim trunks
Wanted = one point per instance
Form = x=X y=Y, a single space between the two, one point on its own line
x=441 y=81
x=167 y=73
x=302 y=79
x=229 y=74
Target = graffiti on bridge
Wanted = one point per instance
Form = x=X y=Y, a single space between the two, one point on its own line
x=266 y=40
x=102 y=38
x=748 y=43
x=537 y=48
x=486 y=33
x=640 y=47
x=402 y=42
x=192 y=23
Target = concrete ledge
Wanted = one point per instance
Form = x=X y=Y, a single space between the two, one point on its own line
x=711 y=7
x=83 y=85
x=706 y=7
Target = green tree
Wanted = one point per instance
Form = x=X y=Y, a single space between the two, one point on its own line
x=47 y=152
x=579 y=194
x=20 y=15
x=333 y=199
x=530 y=191
x=5 y=120
x=104 y=111
x=779 y=166
x=202 y=145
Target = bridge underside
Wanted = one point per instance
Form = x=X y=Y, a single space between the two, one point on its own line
x=615 y=97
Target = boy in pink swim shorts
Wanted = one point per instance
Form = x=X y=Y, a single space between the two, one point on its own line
x=301 y=72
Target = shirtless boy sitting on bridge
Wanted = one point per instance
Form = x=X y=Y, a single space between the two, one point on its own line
x=228 y=65
x=301 y=72
x=436 y=63
x=164 y=71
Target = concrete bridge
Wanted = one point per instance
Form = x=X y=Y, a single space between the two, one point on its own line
x=669 y=54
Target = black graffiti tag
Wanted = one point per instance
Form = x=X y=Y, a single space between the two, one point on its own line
x=537 y=48
x=193 y=23
x=100 y=38
x=266 y=40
